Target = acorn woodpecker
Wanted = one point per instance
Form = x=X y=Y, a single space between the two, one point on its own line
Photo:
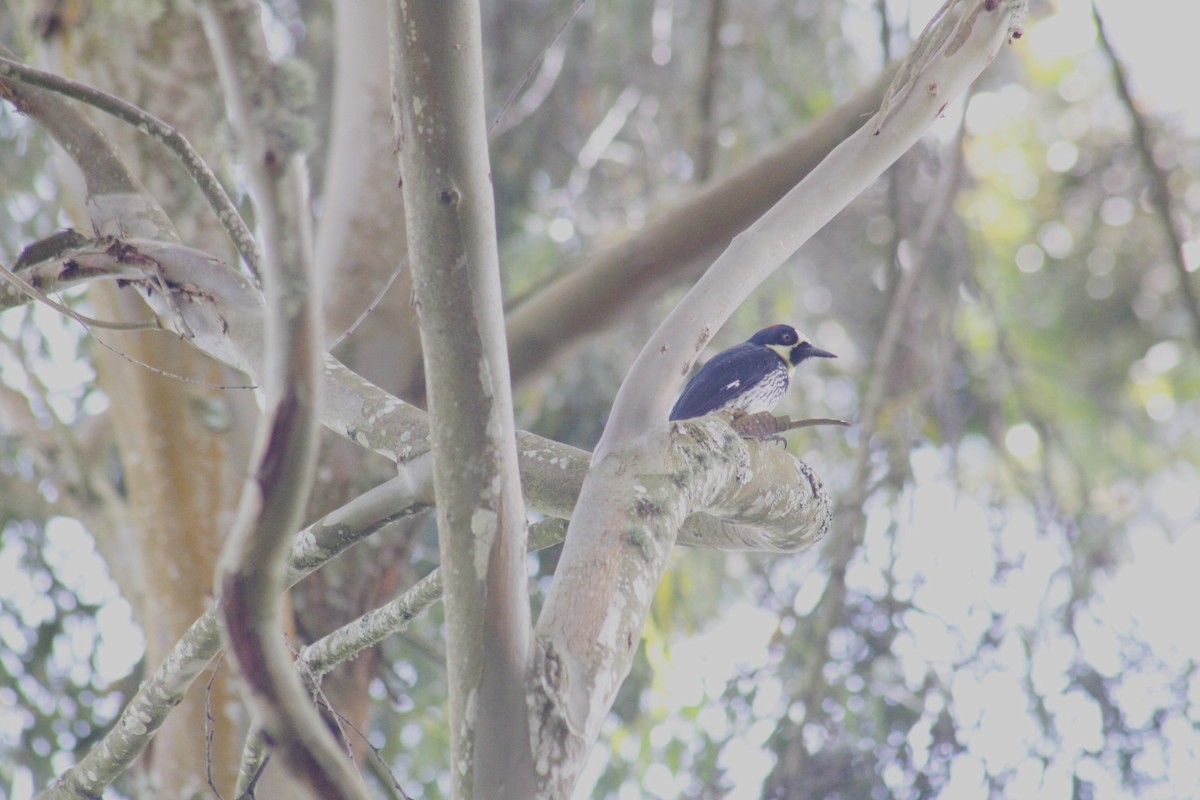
x=751 y=376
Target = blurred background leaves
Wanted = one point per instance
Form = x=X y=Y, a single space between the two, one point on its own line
x=1004 y=608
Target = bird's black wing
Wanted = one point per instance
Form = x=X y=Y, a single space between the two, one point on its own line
x=726 y=375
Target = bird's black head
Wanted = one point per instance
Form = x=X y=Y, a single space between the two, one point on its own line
x=789 y=344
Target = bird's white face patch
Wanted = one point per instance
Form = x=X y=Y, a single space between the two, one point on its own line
x=783 y=352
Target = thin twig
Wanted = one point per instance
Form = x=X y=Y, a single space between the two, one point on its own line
x=155 y=128
x=151 y=324
x=342 y=719
x=84 y=320
x=321 y=700
x=492 y=130
x=1160 y=189
x=765 y=425
x=168 y=374
x=706 y=149
x=831 y=606
x=209 y=725
x=366 y=312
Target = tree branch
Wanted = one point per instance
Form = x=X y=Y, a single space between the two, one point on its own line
x=627 y=516
x=24 y=287
x=437 y=80
x=156 y=129
x=368 y=514
x=1160 y=189
x=630 y=509
x=251 y=572
x=587 y=297
x=117 y=203
x=655 y=377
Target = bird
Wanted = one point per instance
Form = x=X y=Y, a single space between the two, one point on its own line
x=752 y=376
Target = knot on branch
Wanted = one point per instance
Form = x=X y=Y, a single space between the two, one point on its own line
x=745 y=494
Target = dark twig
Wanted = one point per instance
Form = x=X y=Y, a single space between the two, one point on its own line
x=494 y=129
x=322 y=701
x=209 y=724
x=1160 y=189
x=366 y=312
x=155 y=128
x=379 y=761
x=706 y=150
x=830 y=609
x=16 y=280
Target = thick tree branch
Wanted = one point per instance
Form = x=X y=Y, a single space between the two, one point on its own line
x=587 y=297
x=618 y=541
x=940 y=77
x=155 y=128
x=251 y=572
x=636 y=498
x=437 y=79
x=117 y=203
x=373 y=512
x=345 y=643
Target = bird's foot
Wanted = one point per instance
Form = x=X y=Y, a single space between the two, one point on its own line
x=765 y=426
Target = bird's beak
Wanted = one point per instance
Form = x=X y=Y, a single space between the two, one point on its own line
x=814 y=352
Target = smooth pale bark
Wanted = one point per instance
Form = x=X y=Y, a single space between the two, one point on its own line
x=927 y=83
x=161 y=692
x=607 y=286
x=360 y=245
x=251 y=574
x=182 y=471
x=587 y=633
x=437 y=74
x=361 y=239
x=626 y=522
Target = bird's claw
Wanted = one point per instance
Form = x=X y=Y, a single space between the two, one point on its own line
x=766 y=427
x=762 y=426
